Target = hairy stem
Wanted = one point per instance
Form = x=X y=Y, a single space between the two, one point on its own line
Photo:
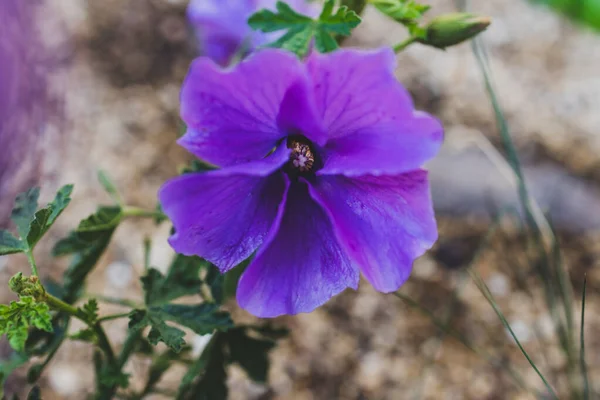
x=34 y=270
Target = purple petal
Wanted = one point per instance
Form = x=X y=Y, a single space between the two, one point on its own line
x=383 y=222
x=224 y=215
x=300 y=266
x=298 y=114
x=232 y=114
x=387 y=148
x=369 y=117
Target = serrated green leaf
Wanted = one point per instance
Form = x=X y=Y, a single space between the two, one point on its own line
x=85 y=335
x=201 y=318
x=87 y=244
x=10 y=244
x=406 y=12
x=182 y=279
x=44 y=219
x=301 y=29
x=252 y=354
x=341 y=22
x=105 y=218
x=24 y=209
x=19 y=316
x=159 y=332
x=91 y=310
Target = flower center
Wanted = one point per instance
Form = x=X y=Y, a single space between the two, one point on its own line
x=302 y=157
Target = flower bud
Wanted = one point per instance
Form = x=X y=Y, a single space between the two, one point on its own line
x=451 y=29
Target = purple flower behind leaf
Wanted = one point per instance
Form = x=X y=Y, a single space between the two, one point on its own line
x=222 y=25
x=23 y=98
x=342 y=193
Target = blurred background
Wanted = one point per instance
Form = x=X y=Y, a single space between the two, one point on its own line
x=94 y=85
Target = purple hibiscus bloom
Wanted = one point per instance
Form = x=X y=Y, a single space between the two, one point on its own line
x=320 y=172
x=222 y=25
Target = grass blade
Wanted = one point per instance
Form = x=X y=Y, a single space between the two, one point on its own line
x=584 y=373
x=488 y=296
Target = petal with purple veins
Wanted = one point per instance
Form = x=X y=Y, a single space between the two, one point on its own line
x=232 y=114
x=383 y=222
x=225 y=215
x=369 y=117
x=301 y=264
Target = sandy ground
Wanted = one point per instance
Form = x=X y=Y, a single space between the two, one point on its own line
x=122 y=63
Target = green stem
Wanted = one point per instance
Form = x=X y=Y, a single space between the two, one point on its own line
x=128 y=347
x=140 y=212
x=34 y=269
x=404 y=44
x=113 y=316
x=103 y=343
x=113 y=300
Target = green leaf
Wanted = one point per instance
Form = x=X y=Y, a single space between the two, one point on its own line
x=19 y=316
x=201 y=318
x=216 y=282
x=24 y=209
x=209 y=370
x=159 y=332
x=301 y=29
x=10 y=244
x=44 y=219
x=252 y=354
x=182 y=279
x=87 y=243
x=85 y=335
x=110 y=378
x=91 y=310
x=35 y=393
x=109 y=186
x=105 y=218
x=406 y=12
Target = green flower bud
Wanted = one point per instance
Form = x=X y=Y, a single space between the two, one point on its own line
x=451 y=29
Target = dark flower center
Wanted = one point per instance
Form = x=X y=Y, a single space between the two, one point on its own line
x=302 y=157
x=304 y=160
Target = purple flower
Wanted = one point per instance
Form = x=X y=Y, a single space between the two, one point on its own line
x=222 y=25
x=23 y=99
x=320 y=172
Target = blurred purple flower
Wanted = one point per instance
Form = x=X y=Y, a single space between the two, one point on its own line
x=22 y=91
x=222 y=25
x=321 y=172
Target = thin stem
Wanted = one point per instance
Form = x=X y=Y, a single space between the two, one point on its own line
x=34 y=270
x=404 y=44
x=103 y=342
x=113 y=316
x=128 y=347
x=140 y=212
x=457 y=336
x=113 y=300
x=584 y=373
x=488 y=296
